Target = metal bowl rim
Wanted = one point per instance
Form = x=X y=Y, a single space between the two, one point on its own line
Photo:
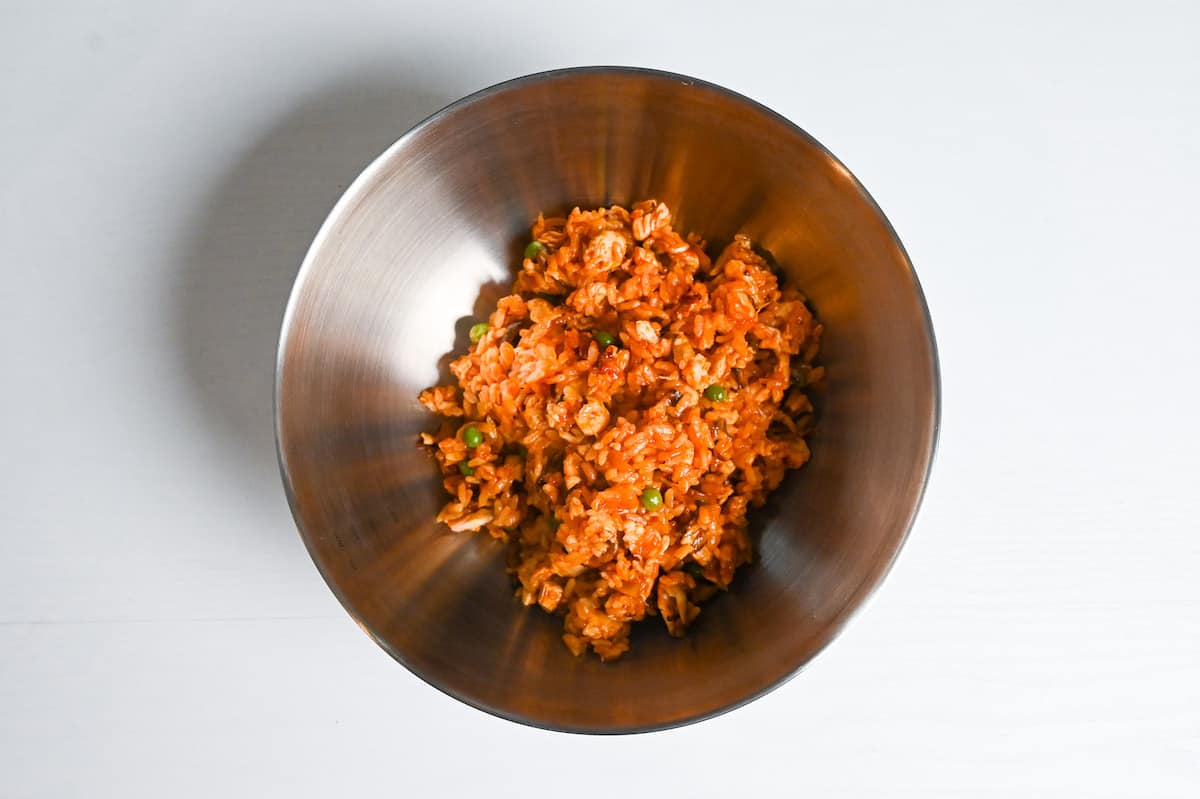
x=858 y=599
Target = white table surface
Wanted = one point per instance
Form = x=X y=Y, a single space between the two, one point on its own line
x=162 y=630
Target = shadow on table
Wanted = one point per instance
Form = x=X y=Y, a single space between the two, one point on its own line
x=242 y=253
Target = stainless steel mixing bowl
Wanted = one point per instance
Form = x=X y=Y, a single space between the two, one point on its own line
x=424 y=242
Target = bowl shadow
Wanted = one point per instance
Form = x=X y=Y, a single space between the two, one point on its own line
x=239 y=256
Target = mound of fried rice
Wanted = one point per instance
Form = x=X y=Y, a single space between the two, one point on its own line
x=573 y=432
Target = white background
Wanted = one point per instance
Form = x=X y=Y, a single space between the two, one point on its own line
x=164 y=166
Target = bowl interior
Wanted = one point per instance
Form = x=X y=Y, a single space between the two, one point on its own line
x=423 y=244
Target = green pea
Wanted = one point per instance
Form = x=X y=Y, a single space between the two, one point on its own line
x=651 y=499
x=477 y=331
x=465 y=469
x=555 y=523
x=716 y=392
x=604 y=338
x=533 y=249
x=472 y=437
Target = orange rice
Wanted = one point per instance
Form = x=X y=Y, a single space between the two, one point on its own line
x=700 y=398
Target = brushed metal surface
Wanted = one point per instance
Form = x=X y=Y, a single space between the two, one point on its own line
x=424 y=242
